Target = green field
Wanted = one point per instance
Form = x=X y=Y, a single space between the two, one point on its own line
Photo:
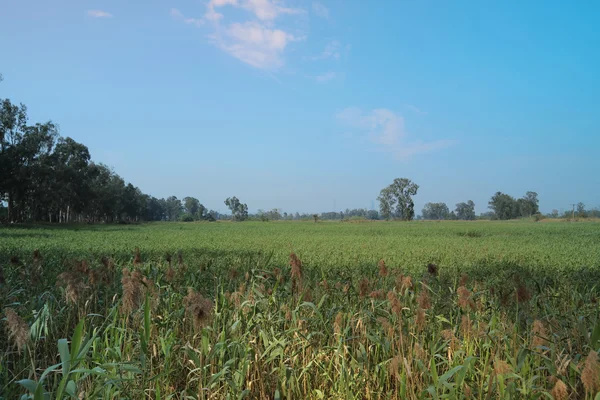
x=505 y=310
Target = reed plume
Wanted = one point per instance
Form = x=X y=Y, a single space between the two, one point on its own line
x=198 y=307
x=560 y=391
x=590 y=376
x=131 y=283
x=383 y=270
x=18 y=330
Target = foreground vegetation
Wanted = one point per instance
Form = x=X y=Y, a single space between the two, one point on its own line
x=301 y=310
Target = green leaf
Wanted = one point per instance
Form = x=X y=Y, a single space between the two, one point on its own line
x=39 y=393
x=595 y=337
x=65 y=356
x=71 y=389
x=76 y=340
x=28 y=384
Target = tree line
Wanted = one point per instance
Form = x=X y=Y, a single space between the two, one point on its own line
x=395 y=202
x=48 y=178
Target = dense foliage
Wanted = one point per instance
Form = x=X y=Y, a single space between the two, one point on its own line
x=45 y=177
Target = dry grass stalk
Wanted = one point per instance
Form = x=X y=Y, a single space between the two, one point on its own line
x=539 y=334
x=383 y=270
x=466 y=327
x=363 y=287
x=590 y=376
x=132 y=290
x=137 y=260
x=18 y=330
x=464 y=298
x=338 y=323
x=420 y=319
x=560 y=391
x=424 y=300
x=501 y=367
x=523 y=294
x=394 y=303
x=198 y=307
x=296 y=273
x=74 y=286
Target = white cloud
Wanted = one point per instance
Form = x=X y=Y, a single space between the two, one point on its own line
x=99 y=14
x=255 y=44
x=325 y=77
x=265 y=10
x=385 y=129
x=320 y=10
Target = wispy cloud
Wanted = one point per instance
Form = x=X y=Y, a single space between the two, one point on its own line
x=99 y=14
x=326 y=77
x=320 y=10
x=256 y=42
x=331 y=50
x=416 y=110
x=265 y=10
x=386 y=130
x=177 y=14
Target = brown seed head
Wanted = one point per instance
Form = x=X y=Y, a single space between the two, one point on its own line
x=424 y=300
x=377 y=294
x=394 y=302
x=501 y=367
x=337 y=324
x=18 y=330
x=464 y=298
x=420 y=319
x=363 y=287
x=131 y=283
x=539 y=334
x=137 y=260
x=296 y=273
x=464 y=279
x=74 y=286
x=383 y=271
x=14 y=260
x=560 y=391
x=590 y=376
x=198 y=307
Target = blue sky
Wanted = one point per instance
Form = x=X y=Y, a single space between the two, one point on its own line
x=309 y=105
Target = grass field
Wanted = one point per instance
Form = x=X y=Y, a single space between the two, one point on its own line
x=301 y=310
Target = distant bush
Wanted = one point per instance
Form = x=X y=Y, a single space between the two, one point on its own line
x=538 y=217
x=186 y=218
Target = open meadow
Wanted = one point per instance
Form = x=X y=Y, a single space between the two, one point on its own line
x=274 y=310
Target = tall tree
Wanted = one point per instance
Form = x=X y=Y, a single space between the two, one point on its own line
x=386 y=202
x=465 y=211
x=239 y=211
x=399 y=193
x=191 y=205
x=435 y=211
x=581 y=210
x=173 y=208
